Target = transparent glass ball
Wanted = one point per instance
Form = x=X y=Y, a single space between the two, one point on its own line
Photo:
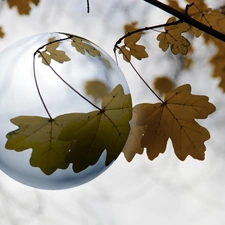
x=48 y=75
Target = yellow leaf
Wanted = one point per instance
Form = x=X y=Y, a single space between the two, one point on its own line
x=130 y=48
x=97 y=89
x=126 y=53
x=98 y=131
x=175 y=119
x=172 y=37
x=82 y=47
x=133 y=143
x=198 y=5
x=41 y=134
x=211 y=18
x=51 y=52
x=131 y=27
x=23 y=6
x=175 y=5
x=218 y=63
x=163 y=84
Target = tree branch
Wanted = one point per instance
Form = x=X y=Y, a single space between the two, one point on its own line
x=187 y=19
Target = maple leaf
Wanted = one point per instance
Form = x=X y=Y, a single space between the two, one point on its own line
x=196 y=6
x=212 y=18
x=79 y=138
x=174 y=119
x=130 y=48
x=172 y=37
x=163 y=84
x=23 y=6
x=98 y=131
x=97 y=89
x=51 y=52
x=133 y=143
x=82 y=47
x=41 y=134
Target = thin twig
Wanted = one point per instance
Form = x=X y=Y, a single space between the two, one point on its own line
x=88 y=6
x=82 y=96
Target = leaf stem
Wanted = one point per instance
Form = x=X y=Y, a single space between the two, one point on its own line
x=82 y=96
x=139 y=75
x=38 y=90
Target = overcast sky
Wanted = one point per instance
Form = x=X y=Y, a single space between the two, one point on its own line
x=163 y=191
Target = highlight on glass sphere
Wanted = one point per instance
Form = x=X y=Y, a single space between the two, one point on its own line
x=65 y=111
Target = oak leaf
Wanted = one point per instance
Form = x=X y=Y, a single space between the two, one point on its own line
x=23 y=6
x=172 y=37
x=51 y=52
x=98 y=131
x=174 y=119
x=41 y=134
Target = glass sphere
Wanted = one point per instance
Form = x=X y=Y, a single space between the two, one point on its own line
x=49 y=84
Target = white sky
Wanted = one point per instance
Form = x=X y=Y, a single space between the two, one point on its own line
x=163 y=191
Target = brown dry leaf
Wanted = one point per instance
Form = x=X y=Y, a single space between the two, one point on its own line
x=172 y=37
x=163 y=84
x=175 y=119
x=23 y=6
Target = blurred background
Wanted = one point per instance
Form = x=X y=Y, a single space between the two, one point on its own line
x=163 y=191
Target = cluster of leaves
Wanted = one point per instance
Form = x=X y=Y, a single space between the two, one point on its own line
x=174 y=117
x=51 y=51
x=80 y=138
x=77 y=138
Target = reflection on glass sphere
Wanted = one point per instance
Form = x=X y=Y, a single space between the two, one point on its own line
x=57 y=96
